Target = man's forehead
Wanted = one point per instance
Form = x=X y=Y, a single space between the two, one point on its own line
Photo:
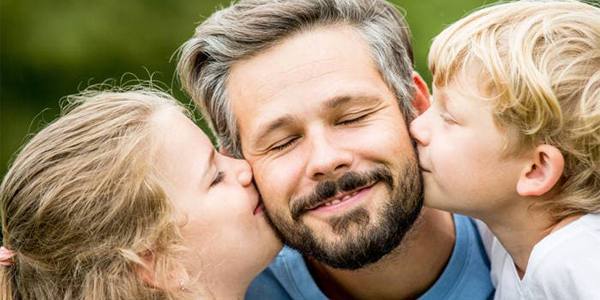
x=300 y=74
x=261 y=101
x=257 y=121
x=304 y=56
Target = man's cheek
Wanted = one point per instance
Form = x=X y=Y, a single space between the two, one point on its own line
x=269 y=183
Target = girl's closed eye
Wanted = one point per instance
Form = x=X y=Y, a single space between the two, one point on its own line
x=218 y=178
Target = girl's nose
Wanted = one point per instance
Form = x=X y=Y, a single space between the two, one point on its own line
x=244 y=172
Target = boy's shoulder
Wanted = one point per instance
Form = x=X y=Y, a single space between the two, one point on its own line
x=564 y=265
x=577 y=241
x=569 y=260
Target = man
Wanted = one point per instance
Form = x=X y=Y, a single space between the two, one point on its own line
x=316 y=95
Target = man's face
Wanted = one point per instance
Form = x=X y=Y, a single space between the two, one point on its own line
x=328 y=146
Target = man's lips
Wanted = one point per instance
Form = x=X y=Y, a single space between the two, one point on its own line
x=338 y=198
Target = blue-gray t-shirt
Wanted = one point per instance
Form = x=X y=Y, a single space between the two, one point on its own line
x=467 y=275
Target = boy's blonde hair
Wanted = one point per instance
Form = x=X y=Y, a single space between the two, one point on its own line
x=82 y=207
x=542 y=64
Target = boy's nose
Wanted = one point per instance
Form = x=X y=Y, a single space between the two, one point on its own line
x=419 y=131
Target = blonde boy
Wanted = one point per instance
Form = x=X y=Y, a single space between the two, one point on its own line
x=513 y=138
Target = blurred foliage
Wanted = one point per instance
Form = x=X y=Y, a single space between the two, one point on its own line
x=49 y=49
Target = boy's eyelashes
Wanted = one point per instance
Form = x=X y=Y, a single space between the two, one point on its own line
x=447 y=118
x=440 y=103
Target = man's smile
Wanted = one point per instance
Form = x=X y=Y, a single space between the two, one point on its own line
x=341 y=201
x=336 y=196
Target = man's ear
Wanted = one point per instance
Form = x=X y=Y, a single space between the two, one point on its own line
x=224 y=151
x=542 y=172
x=422 y=95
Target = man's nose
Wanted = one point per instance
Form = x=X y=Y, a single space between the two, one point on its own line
x=328 y=158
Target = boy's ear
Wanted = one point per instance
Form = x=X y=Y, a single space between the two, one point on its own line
x=422 y=95
x=146 y=272
x=542 y=173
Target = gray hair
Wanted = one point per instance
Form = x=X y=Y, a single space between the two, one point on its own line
x=246 y=28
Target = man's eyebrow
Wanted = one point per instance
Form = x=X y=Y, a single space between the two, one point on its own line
x=332 y=103
x=347 y=99
x=272 y=126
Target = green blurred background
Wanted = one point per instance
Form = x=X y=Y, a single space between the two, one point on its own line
x=50 y=49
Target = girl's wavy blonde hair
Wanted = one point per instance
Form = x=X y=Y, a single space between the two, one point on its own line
x=542 y=65
x=82 y=205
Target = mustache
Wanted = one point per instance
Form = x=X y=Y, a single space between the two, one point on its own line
x=349 y=181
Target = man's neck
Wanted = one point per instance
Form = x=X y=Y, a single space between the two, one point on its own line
x=407 y=272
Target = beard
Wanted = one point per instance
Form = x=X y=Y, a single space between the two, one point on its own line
x=360 y=238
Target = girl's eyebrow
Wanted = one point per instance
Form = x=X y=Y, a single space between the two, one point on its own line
x=208 y=162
